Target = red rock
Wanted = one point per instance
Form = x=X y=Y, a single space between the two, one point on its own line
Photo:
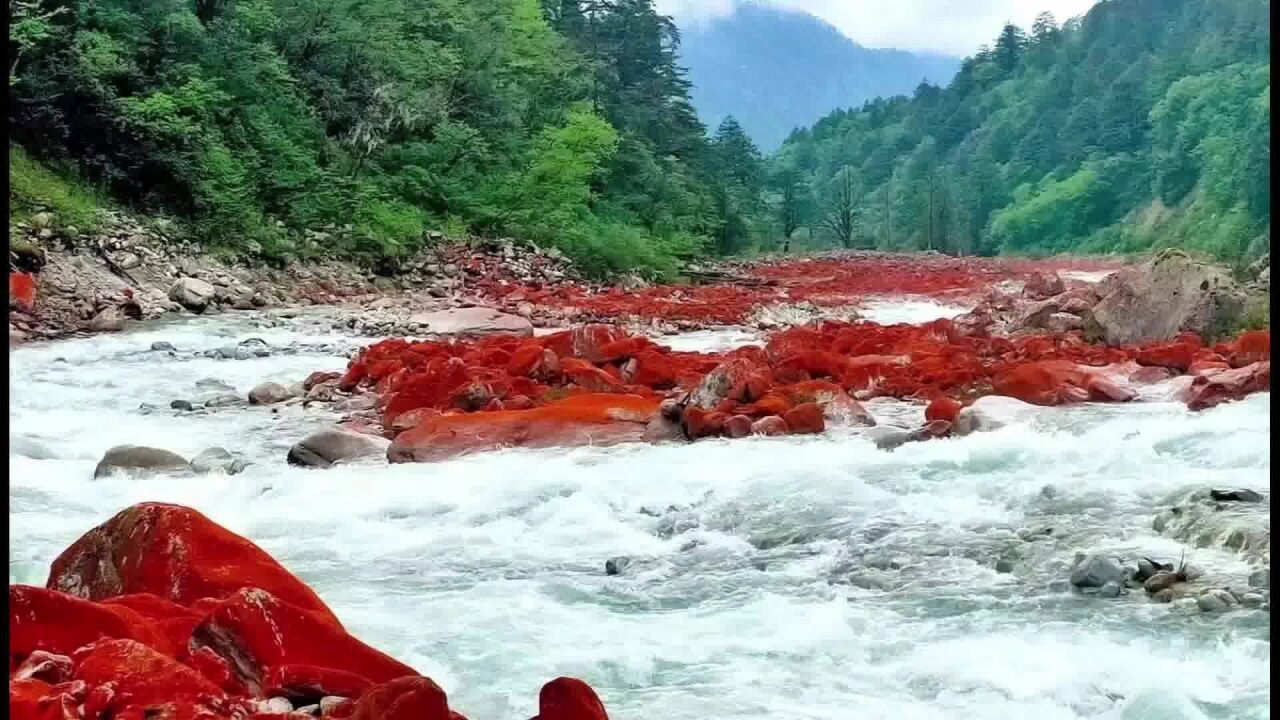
x=319 y=377
x=403 y=698
x=943 y=408
x=140 y=675
x=569 y=699
x=1150 y=375
x=306 y=684
x=1250 y=348
x=1175 y=356
x=217 y=670
x=737 y=426
x=699 y=423
x=22 y=291
x=1206 y=391
x=770 y=425
x=31 y=699
x=58 y=623
x=176 y=553
x=591 y=419
x=589 y=377
x=805 y=419
x=1046 y=382
x=255 y=631
x=589 y=341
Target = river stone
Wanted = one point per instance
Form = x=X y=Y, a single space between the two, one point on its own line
x=223 y=400
x=145 y=460
x=991 y=413
x=195 y=295
x=217 y=459
x=1260 y=578
x=269 y=393
x=331 y=445
x=161 y=346
x=181 y=405
x=1096 y=570
x=615 y=565
x=1159 y=299
x=1159 y=581
x=472 y=321
x=1110 y=590
x=107 y=320
x=1246 y=495
x=1215 y=601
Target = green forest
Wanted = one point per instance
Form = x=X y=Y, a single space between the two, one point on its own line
x=1145 y=123
x=293 y=128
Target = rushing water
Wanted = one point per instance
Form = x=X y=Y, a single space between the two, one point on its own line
x=798 y=578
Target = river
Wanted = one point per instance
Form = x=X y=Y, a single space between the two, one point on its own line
x=796 y=577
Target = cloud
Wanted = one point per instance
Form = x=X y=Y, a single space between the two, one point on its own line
x=954 y=27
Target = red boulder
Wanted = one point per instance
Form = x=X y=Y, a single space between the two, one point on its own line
x=569 y=699
x=1209 y=390
x=805 y=419
x=943 y=408
x=140 y=675
x=770 y=425
x=55 y=622
x=176 y=553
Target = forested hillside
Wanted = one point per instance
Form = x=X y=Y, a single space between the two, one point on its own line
x=367 y=122
x=1145 y=123
x=776 y=70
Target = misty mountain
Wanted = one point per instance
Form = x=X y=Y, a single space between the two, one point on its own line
x=776 y=70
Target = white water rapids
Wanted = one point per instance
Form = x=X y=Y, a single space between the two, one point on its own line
x=802 y=578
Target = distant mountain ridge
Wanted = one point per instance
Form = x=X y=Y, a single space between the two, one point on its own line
x=775 y=70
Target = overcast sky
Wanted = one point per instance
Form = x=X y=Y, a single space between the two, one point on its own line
x=954 y=27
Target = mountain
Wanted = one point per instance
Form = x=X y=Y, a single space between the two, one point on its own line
x=776 y=70
x=1143 y=124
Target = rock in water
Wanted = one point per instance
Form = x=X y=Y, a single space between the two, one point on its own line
x=1244 y=495
x=139 y=459
x=195 y=295
x=268 y=394
x=1097 y=570
x=1158 y=300
x=217 y=459
x=990 y=413
x=176 y=553
x=615 y=565
x=331 y=445
x=472 y=321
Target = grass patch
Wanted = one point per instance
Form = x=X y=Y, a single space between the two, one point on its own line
x=33 y=187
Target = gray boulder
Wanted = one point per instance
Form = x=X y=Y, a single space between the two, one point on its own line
x=139 y=460
x=269 y=393
x=1159 y=299
x=992 y=412
x=108 y=319
x=217 y=459
x=192 y=294
x=331 y=445
x=1096 y=570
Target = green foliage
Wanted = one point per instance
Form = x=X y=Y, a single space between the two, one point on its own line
x=1140 y=124
x=365 y=123
x=32 y=185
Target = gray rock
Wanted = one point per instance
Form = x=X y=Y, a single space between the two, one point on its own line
x=1061 y=322
x=1260 y=578
x=217 y=459
x=676 y=523
x=1110 y=589
x=1251 y=600
x=1004 y=565
x=1244 y=495
x=1169 y=294
x=140 y=460
x=223 y=400
x=1097 y=570
x=269 y=393
x=991 y=413
x=331 y=445
x=162 y=346
x=107 y=320
x=888 y=437
x=1214 y=601
x=195 y=295
x=615 y=565
x=182 y=405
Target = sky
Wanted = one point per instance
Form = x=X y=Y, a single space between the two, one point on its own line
x=951 y=27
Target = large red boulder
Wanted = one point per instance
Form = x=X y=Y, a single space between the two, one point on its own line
x=1250 y=348
x=255 y=631
x=805 y=419
x=1175 y=355
x=140 y=675
x=176 y=553
x=1041 y=285
x=1218 y=387
x=1044 y=382
x=943 y=408
x=569 y=699
x=404 y=698
x=589 y=419
x=52 y=621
